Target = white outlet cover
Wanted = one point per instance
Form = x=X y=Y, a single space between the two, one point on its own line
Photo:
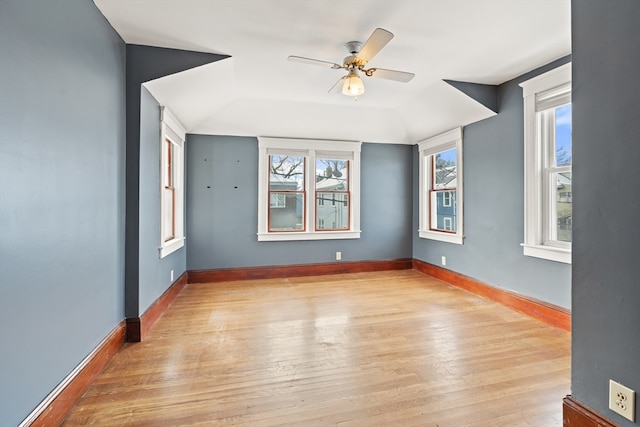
x=622 y=400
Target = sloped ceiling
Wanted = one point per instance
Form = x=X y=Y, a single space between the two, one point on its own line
x=258 y=92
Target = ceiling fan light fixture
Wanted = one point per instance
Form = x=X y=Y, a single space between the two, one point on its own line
x=360 y=55
x=353 y=85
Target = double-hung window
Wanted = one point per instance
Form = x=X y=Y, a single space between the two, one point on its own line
x=171 y=183
x=547 y=163
x=308 y=189
x=441 y=187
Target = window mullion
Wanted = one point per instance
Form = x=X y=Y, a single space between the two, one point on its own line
x=543 y=208
x=548 y=205
x=548 y=208
x=310 y=189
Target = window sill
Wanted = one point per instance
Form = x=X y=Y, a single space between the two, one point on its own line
x=547 y=252
x=171 y=246
x=323 y=235
x=442 y=237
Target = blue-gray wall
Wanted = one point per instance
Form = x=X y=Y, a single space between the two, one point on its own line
x=493 y=151
x=606 y=200
x=61 y=194
x=62 y=197
x=142 y=230
x=222 y=210
x=154 y=272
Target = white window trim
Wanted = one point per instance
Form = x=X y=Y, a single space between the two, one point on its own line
x=534 y=203
x=309 y=146
x=172 y=129
x=426 y=148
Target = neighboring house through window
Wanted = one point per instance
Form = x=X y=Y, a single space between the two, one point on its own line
x=547 y=162
x=278 y=200
x=172 y=183
x=446 y=199
x=313 y=188
x=448 y=223
x=441 y=187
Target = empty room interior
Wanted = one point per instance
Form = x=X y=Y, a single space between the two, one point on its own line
x=319 y=213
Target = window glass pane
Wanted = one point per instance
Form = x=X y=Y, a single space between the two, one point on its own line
x=563 y=206
x=445 y=169
x=442 y=217
x=277 y=200
x=291 y=216
x=448 y=223
x=332 y=197
x=168 y=214
x=563 y=135
x=446 y=199
x=332 y=211
x=170 y=164
x=286 y=173
x=332 y=175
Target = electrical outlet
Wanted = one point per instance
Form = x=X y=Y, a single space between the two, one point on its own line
x=622 y=400
x=338 y=256
x=444 y=260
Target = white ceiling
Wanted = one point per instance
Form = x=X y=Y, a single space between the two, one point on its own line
x=258 y=92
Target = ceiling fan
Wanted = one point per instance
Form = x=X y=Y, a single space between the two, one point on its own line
x=355 y=64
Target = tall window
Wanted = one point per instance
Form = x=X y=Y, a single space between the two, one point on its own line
x=309 y=189
x=332 y=194
x=548 y=162
x=441 y=187
x=286 y=192
x=172 y=184
x=169 y=192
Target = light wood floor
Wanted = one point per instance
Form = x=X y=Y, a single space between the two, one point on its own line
x=373 y=349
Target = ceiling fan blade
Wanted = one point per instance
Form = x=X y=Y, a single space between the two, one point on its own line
x=337 y=88
x=399 y=76
x=304 y=60
x=377 y=40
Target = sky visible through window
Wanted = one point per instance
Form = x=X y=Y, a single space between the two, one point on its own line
x=563 y=132
x=449 y=156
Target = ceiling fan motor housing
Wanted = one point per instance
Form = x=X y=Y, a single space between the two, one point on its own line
x=352 y=61
x=353 y=47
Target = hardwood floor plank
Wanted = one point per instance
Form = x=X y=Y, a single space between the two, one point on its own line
x=381 y=348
